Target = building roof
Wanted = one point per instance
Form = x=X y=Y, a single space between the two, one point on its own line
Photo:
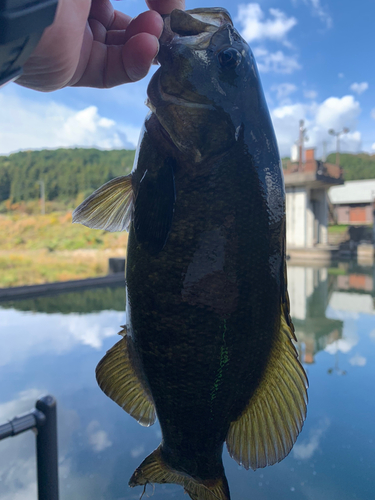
x=353 y=192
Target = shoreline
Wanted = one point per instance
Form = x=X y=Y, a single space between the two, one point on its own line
x=27 y=291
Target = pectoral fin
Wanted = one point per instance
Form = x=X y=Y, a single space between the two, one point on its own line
x=118 y=379
x=268 y=427
x=109 y=207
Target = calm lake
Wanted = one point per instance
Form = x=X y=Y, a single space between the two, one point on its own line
x=51 y=345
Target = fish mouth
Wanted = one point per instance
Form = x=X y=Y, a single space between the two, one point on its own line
x=193 y=28
x=157 y=96
x=173 y=97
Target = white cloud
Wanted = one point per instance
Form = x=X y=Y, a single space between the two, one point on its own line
x=337 y=113
x=256 y=27
x=317 y=10
x=348 y=306
x=358 y=360
x=286 y=119
x=277 y=62
x=349 y=338
x=359 y=88
x=17 y=457
x=306 y=449
x=373 y=147
x=334 y=112
x=98 y=439
x=284 y=90
x=70 y=330
x=137 y=451
x=22 y=404
x=310 y=94
x=351 y=142
x=27 y=124
x=341 y=75
x=341 y=345
x=321 y=12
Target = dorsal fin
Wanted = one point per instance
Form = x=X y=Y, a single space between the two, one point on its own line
x=118 y=379
x=267 y=429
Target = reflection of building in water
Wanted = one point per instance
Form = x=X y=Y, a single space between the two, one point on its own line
x=352 y=302
x=355 y=282
x=360 y=282
x=309 y=292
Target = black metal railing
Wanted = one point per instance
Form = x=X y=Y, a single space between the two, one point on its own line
x=43 y=420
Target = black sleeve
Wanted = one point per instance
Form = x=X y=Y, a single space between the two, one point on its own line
x=22 y=23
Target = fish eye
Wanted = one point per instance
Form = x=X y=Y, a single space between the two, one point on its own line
x=229 y=58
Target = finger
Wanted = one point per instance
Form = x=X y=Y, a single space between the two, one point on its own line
x=116 y=37
x=120 y=21
x=165 y=6
x=138 y=55
x=103 y=12
x=113 y=65
x=99 y=32
x=147 y=22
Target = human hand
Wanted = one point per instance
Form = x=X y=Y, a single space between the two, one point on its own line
x=91 y=44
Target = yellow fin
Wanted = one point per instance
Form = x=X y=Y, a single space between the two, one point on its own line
x=267 y=429
x=109 y=207
x=118 y=379
x=153 y=469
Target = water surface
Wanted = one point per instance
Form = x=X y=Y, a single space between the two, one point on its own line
x=52 y=345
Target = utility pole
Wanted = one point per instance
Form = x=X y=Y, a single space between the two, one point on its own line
x=324 y=151
x=331 y=131
x=42 y=198
x=302 y=138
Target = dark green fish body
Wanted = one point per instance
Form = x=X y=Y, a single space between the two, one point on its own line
x=207 y=343
x=205 y=330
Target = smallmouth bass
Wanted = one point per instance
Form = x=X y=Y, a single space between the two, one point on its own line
x=207 y=346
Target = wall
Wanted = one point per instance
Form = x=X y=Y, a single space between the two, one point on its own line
x=296 y=204
x=320 y=207
x=354 y=214
x=306 y=217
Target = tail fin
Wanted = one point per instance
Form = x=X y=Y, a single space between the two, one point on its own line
x=154 y=470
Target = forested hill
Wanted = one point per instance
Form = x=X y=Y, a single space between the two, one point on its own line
x=356 y=167
x=65 y=172
x=70 y=172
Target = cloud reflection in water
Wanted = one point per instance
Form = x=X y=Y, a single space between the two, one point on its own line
x=53 y=333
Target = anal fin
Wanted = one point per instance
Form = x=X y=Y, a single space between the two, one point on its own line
x=119 y=380
x=267 y=429
x=153 y=469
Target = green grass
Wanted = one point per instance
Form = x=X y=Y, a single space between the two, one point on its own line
x=338 y=229
x=36 y=267
x=337 y=271
x=53 y=232
x=44 y=248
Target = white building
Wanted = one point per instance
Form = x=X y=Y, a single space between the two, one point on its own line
x=353 y=202
x=306 y=187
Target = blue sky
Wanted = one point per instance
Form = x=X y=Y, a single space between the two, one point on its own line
x=316 y=63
